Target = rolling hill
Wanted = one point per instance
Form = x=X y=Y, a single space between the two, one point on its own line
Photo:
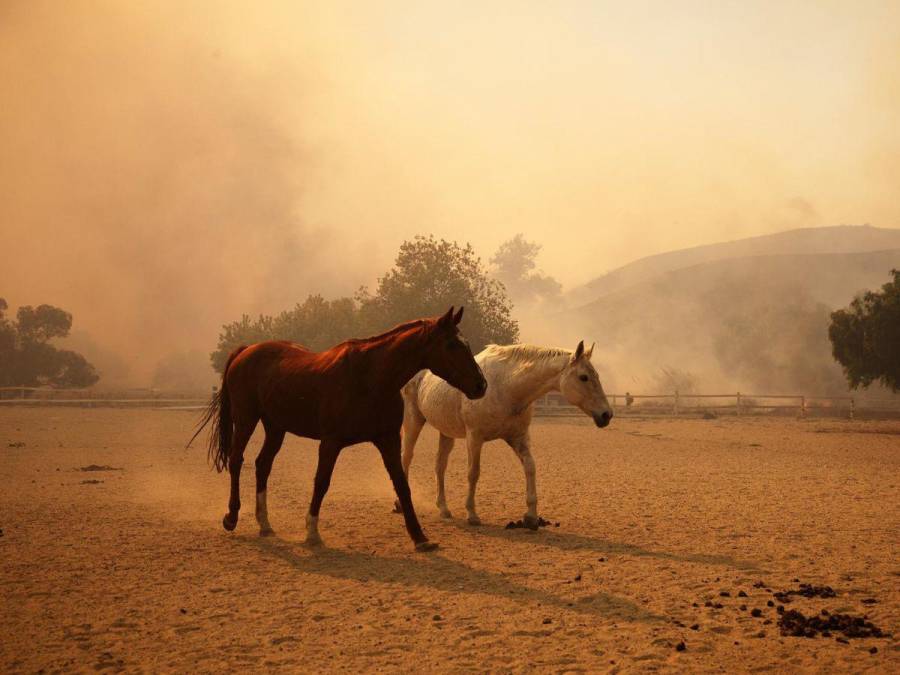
x=743 y=322
x=839 y=239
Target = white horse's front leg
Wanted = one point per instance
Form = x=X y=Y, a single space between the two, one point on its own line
x=522 y=448
x=445 y=445
x=474 y=445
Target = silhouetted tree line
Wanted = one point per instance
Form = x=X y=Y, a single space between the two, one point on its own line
x=428 y=276
x=27 y=359
x=865 y=337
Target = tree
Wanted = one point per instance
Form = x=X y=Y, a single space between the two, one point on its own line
x=515 y=263
x=430 y=275
x=28 y=359
x=315 y=323
x=865 y=337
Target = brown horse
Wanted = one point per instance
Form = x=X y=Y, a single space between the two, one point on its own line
x=345 y=395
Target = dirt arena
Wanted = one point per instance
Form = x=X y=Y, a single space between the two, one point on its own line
x=657 y=517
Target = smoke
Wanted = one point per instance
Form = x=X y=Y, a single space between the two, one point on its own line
x=150 y=185
x=167 y=167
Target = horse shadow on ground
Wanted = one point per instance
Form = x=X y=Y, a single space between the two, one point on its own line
x=442 y=574
x=572 y=542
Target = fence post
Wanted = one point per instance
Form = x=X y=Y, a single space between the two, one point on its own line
x=852 y=407
x=802 y=406
x=614 y=403
x=738 y=406
x=675 y=409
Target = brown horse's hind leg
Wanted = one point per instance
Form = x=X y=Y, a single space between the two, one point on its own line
x=270 y=448
x=328 y=454
x=389 y=446
x=242 y=434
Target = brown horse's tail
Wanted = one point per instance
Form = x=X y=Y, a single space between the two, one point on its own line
x=219 y=413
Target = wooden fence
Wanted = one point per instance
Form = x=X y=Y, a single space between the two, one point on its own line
x=553 y=404
x=89 y=398
x=678 y=404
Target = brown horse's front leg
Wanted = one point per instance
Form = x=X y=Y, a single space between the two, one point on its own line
x=389 y=447
x=328 y=454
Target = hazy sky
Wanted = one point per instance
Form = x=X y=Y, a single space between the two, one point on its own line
x=169 y=165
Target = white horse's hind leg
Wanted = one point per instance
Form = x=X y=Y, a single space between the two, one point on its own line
x=412 y=427
x=522 y=448
x=445 y=445
x=474 y=446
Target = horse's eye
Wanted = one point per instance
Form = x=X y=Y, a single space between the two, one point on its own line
x=583 y=378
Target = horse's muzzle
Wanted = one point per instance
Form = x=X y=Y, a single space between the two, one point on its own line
x=479 y=390
x=603 y=419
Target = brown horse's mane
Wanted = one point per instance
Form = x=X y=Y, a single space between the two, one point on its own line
x=396 y=330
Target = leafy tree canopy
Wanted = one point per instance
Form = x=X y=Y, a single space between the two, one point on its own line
x=515 y=263
x=865 y=337
x=428 y=276
x=26 y=357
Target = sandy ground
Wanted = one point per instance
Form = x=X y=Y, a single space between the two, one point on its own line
x=656 y=518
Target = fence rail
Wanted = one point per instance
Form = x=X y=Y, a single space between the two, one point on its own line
x=135 y=398
x=737 y=403
x=553 y=404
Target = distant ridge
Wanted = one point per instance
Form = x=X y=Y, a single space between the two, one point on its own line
x=817 y=240
x=746 y=323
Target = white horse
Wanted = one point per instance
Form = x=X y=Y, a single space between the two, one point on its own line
x=517 y=376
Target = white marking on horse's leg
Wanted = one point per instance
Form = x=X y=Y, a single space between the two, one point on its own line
x=312 y=529
x=262 y=515
x=445 y=445
x=474 y=446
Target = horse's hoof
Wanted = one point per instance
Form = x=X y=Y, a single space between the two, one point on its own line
x=446 y=515
x=426 y=546
x=397 y=507
x=473 y=520
x=266 y=532
x=313 y=542
x=531 y=522
x=229 y=523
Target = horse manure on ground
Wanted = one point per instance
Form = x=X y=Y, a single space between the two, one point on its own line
x=520 y=524
x=91 y=482
x=16 y=444
x=795 y=623
x=807 y=591
x=99 y=467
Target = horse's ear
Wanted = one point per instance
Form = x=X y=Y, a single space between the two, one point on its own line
x=590 y=351
x=447 y=319
x=579 y=350
x=458 y=316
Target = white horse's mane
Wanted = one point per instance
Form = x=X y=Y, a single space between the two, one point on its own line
x=525 y=355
